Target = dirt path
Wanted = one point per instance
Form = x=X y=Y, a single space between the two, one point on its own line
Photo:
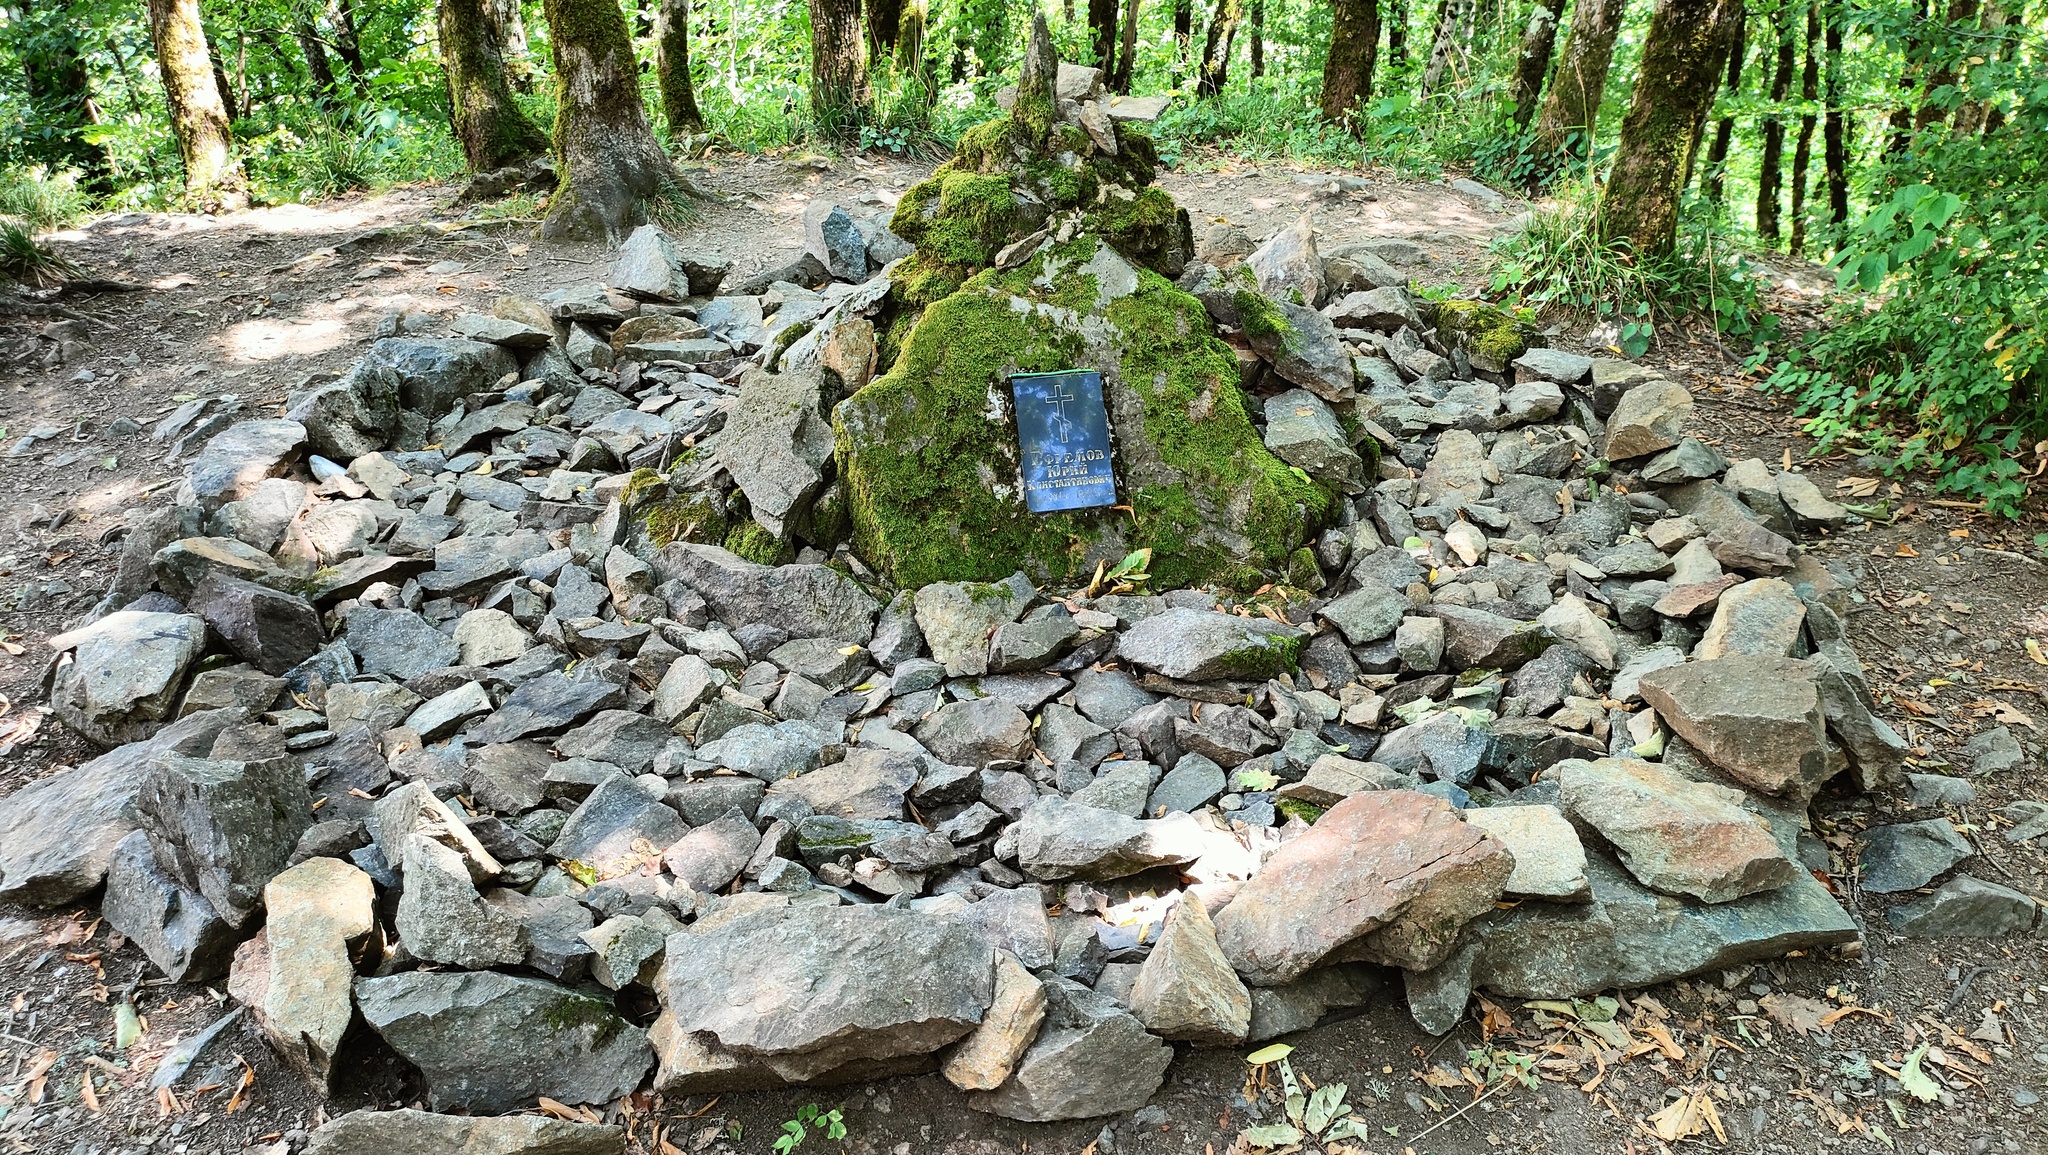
x=249 y=305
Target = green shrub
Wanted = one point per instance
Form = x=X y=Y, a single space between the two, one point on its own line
x=42 y=200
x=23 y=259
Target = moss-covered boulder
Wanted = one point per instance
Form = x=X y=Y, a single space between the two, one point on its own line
x=1490 y=336
x=928 y=452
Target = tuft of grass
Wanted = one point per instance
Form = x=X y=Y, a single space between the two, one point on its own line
x=23 y=259
x=42 y=200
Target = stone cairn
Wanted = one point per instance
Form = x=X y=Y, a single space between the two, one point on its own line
x=590 y=699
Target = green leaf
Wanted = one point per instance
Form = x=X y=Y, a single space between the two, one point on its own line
x=1272 y=1054
x=1916 y=1081
x=127 y=1026
x=1273 y=1135
x=1323 y=1107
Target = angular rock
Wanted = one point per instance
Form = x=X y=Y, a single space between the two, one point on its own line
x=1192 y=645
x=319 y=911
x=409 y=1132
x=805 y=601
x=398 y=643
x=1908 y=855
x=1648 y=418
x=1301 y=431
x=1368 y=613
x=442 y=918
x=1287 y=265
x=493 y=1042
x=1091 y=1058
x=1966 y=907
x=1674 y=835
x=1762 y=618
x=121 y=679
x=776 y=444
x=223 y=828
x=553 y=701
x=830 y=236
x=1186 y=989
x=176 y=927
x=984 y=1059
x=270 y=630
x=711 y=856
x=976 y=733
x=808 y=988
x=615 y=825
x=1758 y=718
x=1479 y=639
x=652 y=267
x=238 y=459
x=1058 y=839
x=1307 y=1000
x=1549 y=861
x=1386 y=877
x=956 y=619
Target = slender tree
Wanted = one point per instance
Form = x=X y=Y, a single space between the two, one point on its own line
x=1216 y=50
x=1102 y=33
x=1354 y=52
x=1972 y=113
x=605 y=154
x=1127 y=50
x=1771 y=164
x=910 y=30
x=1724 y=130
x=1397 y=32
x=1183 y=37
x=885 y=23
x=1572 y=109
x=1687 y=44
x=199 y=117
x=1946 y=68
x=318 y=69
x=1834 y=132
x=1802 y=152
x=1258 y=45
x=489 y=124
x=840 y=96
x=672 y=69
x=347 y=43
x=508 y=24
x=1450 y=45
x=1532 y=64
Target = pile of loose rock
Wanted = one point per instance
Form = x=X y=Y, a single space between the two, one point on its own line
x=447 y=708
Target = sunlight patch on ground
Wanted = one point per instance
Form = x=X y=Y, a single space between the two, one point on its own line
x=272 y=338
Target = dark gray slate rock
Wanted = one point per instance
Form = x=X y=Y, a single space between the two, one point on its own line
x=711 y=856
x=554 y=926
x=1368 y=613
x=824 y=986
x=121 y=681
x=272 y=631
x=651 y=266
x=769 y=753
x=409 y=1132
x=1628 y=936
x=1308 y=1000
x=239 y=459
x=605 y=828
x=831 y=236
x=442 y=919
x=553 y=701
x=1478 y=639
x=976 y=733
x=806 y=601
x=1193 y=783
x=493 y=1042
x=225 y=828
x=1091 y=1058
x=1908 y=855
x=1304 y=348
x=1057 y=839
x=1192 y=645
x=1966 y=907
x=177 y=928
x=776 y=443
x=58 y=834
x=397 y=643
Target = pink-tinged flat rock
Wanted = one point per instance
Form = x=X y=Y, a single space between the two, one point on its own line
x=1675 y=835
x=1386 y=877
x=1758 y=718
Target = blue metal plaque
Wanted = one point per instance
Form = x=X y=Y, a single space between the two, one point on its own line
x=1063 y=433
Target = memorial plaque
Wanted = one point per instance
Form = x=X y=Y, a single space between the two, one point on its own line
x=1063 y=433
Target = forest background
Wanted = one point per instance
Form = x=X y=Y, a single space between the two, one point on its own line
x=1676 y=146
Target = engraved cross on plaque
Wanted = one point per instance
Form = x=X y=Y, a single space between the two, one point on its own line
x=1058 y=399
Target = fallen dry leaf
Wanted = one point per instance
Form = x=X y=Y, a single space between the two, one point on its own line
x=1796 y=1012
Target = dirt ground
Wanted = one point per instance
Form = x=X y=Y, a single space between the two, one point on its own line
x=1800 y=1055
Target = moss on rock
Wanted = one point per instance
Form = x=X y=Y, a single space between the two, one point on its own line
x=1491 y=336
x=929 y=455
x=752 y=541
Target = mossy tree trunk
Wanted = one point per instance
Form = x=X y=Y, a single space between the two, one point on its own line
x=1532 y=64
x=1687 y=44
x=1451 y=45
x=347 y=44
x=1714 y=181
x=911 y=23
x=199 y=117
x=1802 y=152
x=672 y=69
x=840 y=97
x=488 y=123
x=508 y=21
x=1572 y=109
x=59 y=91
x=885 y=22
x=318 y=69
x=605 y=154
x=1771 y=165
x=1258 y=44
x=1215 y=72
x=1354 y=52
x=1834 y=132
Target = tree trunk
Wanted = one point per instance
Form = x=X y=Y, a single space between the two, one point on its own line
x=1834 y=134
x=885 y=23
x=1102 y=33
x=1771 y=165
x=1724 y=129
x=1802 y=152
x=1971 y=114
x=1127 y=51
x=199 y=118
x=347 y=44
x=1183 y=37
x=840 y=96
x=1258 y=45
x=508 y=24
x=59 y=92
x=1397 y=32
x=1573 y=106
x=488 y=124
x=1687 y=44
x=1216 y=50
x=672 y=69
x=318 y=69
x=605 y=154
x=1539 y=39
x=1901 y=120
x=1354 y=52
x=1448 y=47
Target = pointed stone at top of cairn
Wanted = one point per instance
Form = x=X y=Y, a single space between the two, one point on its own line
x=1038 y=80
